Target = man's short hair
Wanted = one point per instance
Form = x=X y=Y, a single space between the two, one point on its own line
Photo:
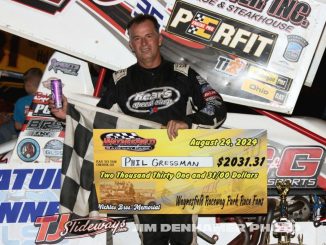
x=142 y=18
x=32 y=72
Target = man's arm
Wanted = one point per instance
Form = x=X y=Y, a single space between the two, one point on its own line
x=59 y=113
x=173 y=126
x=207 y=104
x=106 y=101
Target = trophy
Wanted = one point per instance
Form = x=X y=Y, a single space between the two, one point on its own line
x=283 y=189
x=283 y=227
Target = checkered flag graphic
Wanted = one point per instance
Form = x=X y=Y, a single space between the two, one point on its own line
x=199 y=17
x=78 y=194
x=192 y=29
x=122 y=136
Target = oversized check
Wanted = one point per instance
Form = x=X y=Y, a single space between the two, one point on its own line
x=200 y=172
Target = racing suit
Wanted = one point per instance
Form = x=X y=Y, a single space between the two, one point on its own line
x=160 y=95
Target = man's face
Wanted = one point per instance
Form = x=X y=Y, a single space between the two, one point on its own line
x=145 y=42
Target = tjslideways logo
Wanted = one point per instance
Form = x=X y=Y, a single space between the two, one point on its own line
x=55 y=228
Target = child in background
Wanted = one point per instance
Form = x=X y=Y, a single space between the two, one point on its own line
x=32 y=78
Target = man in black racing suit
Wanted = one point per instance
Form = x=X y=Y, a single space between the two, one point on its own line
x=157 y=90
x=161 y=94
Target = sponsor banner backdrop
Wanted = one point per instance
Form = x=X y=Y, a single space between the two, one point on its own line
x=199 y=172
x=255 y=53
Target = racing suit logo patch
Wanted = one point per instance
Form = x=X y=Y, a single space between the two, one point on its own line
x=153 y=100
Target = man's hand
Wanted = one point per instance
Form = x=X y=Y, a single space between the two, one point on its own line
x=59 y=113
x=173 y=127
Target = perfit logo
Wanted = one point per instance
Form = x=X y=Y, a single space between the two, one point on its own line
x=153 y=100
x=221 y=32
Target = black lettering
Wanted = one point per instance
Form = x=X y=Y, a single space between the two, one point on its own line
x=283 y=9
x=222 y=63
x=298 y=16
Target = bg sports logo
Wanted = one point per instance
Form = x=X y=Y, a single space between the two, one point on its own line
x=127 y=141
x=300 y=165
